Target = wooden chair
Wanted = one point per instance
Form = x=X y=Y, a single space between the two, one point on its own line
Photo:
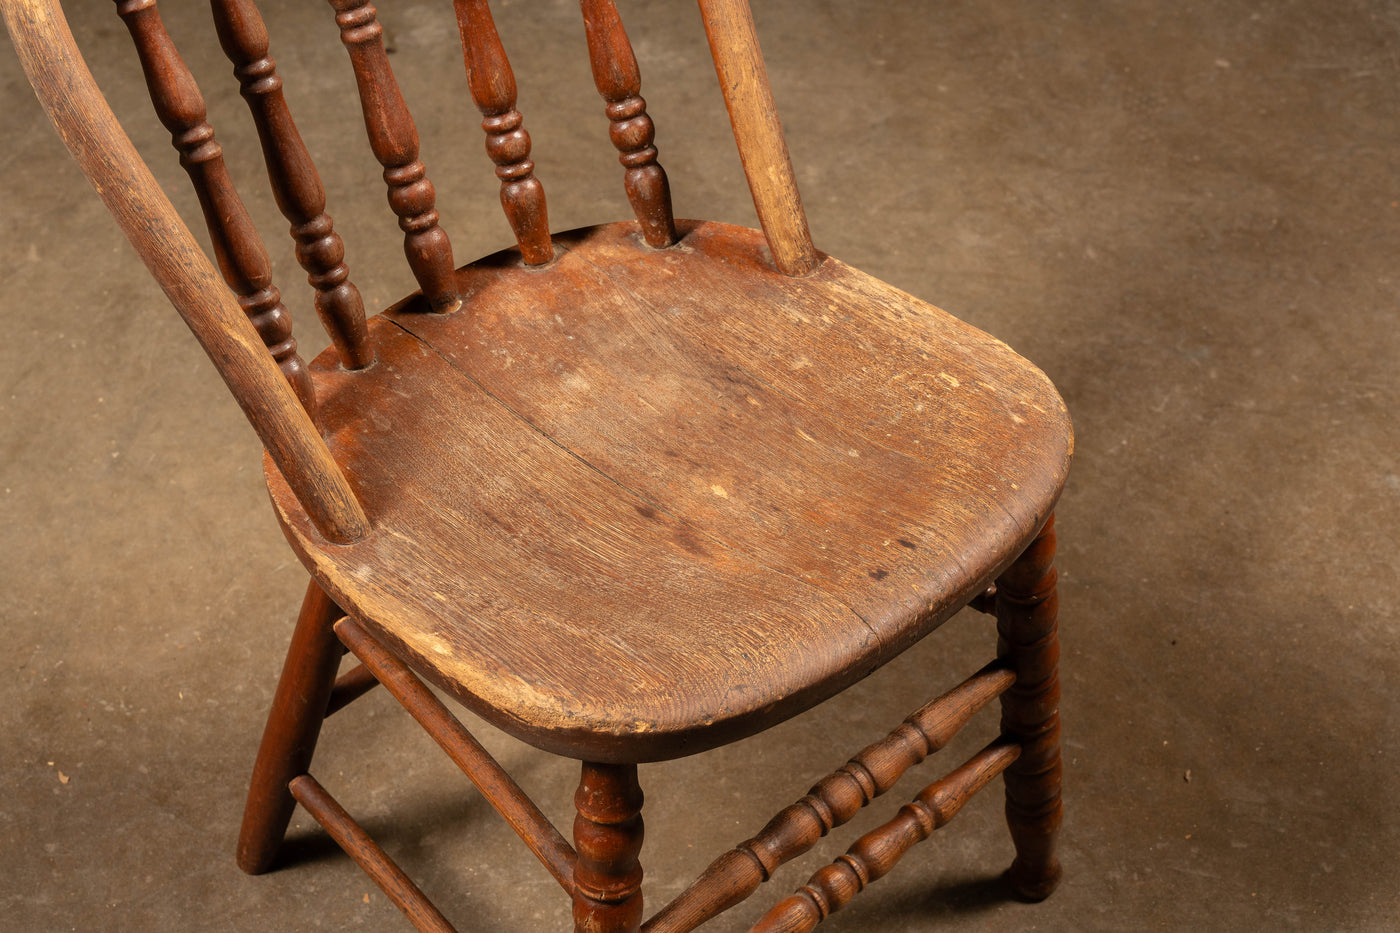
x=628 y=492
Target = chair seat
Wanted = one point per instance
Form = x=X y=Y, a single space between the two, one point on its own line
x=721 y=493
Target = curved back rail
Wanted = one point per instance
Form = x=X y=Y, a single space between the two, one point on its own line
x=754 y=117
x=88 y=127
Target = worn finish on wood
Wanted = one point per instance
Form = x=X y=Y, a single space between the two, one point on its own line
x=873 y=855
x=75 y=105
x=833 y=801
x=809 y=503
x=498 y=787
x=753 y=115
x=394 y=139
x=351 y=837
x=240 y=252
x=295 y=183
x=1027 y=608
x=507 y=142
x=618 y=79
x=641 y=503
x=293 y=725
x=608 y=835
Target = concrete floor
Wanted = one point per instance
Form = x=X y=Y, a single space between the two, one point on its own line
x=1187 y=214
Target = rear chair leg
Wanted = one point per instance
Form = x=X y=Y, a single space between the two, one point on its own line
x=298 y=709
x=608 y=838
x=1026 y=627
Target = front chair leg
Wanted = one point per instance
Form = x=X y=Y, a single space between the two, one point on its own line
x=1027 y=606
x=608 y=839
x=293 y=725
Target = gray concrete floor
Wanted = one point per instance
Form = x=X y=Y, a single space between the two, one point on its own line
x=1187 y=214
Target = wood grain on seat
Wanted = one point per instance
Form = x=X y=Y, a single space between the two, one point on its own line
x=640 y=502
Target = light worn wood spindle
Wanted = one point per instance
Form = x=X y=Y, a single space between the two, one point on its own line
x=295 y=182
x=832 y=802
x=394 y=140
x=1027 y=629
x=239 y=251
x=507 y=142
x=618 y=79
x=873 y=855
x=753 y=115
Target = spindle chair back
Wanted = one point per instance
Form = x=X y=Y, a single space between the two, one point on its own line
x=629 y=492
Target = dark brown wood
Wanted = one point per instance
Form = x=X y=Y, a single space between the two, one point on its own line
x=620 y=82
x=507 y=142
x=873 y=855
x=1027 y=612
x=66 y=89
x=608 y=836
x=498 y=787
x=241 y=255
x=293 y=725
x=349 y=687
x=351 y=837
x=295 y=182
x=394 y=139
x=753 y=115
x=986 y=601
x=833 y=801
x=523 y=488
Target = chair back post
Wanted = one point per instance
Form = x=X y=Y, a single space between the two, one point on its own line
x=754 y=117
x=88 y=127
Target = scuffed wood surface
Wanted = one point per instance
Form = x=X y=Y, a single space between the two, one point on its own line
x=648 y=501
x=753 y=115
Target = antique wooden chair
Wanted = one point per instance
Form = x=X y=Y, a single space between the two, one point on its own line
x=628 y=492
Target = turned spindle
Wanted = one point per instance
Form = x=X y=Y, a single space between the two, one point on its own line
x=240 y=253
x=633 y=133
x=608 y=838
x=832 y=802
x=296 y=186
x=1027 y=609
x=394 y=140
x=507 y=142
x=873 y=855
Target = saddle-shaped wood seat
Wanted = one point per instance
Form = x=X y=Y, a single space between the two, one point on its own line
x=734 y=491
x=629 y=492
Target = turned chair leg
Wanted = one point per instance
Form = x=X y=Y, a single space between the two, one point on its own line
x=1026 y=606
x=298 y=709
x=608 y=839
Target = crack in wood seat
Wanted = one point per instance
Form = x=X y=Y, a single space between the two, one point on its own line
x=722 y=493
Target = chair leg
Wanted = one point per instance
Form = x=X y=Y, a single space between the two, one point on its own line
x=1026 y=627
x=298 y=709
x=608 y=838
